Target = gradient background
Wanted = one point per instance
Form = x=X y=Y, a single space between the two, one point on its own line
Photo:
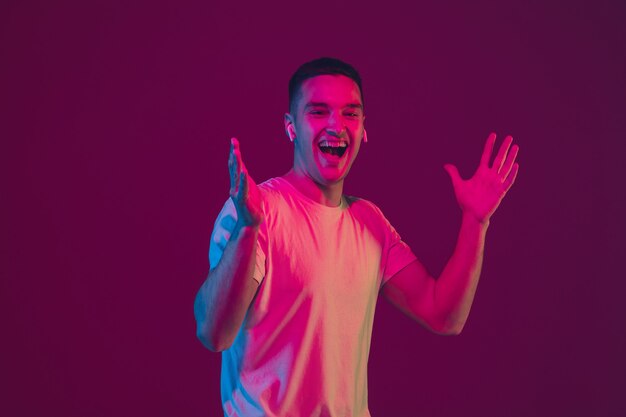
x=115 y=121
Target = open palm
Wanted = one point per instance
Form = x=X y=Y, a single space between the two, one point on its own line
x=481 y=194
x=243 y=189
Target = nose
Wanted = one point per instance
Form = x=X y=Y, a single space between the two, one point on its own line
x=335 y=126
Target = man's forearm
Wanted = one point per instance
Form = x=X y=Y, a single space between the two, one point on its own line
x=455 y=288
x=223 y=299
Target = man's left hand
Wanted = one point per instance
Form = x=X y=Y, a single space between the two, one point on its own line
x=481 y=195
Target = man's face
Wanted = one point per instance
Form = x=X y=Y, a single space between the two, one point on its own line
x=328 y=121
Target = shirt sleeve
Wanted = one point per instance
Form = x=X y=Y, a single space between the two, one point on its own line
x=397 y=254
x=222 y=230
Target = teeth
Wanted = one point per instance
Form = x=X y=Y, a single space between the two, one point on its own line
x=334 y=144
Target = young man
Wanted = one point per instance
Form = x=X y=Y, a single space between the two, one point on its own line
x=296 y=266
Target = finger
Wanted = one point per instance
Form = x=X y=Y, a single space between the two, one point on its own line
x=453 y=172
x=486 y=156
x=508 y=164
x=232 y=168
x=504 y=148
x=236 y=153
x=243 y=186
x=511 y=178
x=239 y=161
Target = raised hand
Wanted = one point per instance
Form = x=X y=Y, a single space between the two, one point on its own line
x=481 y=195
x=243 y=190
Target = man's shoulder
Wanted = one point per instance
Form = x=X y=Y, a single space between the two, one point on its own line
x=274 y=187
x=278 y=189
x=278 y=195
x=361 y=203
x=365 y=209
x=271 y=183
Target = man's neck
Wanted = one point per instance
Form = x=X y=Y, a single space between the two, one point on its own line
x=327 y=195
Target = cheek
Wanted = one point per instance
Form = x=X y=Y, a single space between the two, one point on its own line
x=354 y=124
x=313 y=125
x=303 y=147
x=356 y=130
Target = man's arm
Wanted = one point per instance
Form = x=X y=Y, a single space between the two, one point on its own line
x=226 y=294
x=443 y=304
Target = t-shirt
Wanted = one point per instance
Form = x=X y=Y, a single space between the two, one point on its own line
x=303 y=346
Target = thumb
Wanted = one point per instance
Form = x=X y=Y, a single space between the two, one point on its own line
x=453 y=173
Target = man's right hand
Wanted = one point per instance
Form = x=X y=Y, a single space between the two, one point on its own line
x=225 y=296
x=243 y=190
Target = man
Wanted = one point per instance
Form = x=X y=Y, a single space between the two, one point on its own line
x=296 y=266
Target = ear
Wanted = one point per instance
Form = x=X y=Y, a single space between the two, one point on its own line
x=364 y=136
x=289 y=127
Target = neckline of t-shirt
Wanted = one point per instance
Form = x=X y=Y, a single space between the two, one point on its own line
x=312 y=202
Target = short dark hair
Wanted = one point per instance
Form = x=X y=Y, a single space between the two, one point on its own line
x=321 y=66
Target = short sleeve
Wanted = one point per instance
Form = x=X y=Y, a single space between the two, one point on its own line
x=399 y=256
x=397 y=253
x=222 y=230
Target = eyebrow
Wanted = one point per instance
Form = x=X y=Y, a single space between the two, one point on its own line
x=322 y=104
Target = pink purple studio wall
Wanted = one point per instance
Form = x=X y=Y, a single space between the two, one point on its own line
x=115 y=119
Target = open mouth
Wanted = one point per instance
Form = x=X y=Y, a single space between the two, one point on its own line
x=337 y=148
